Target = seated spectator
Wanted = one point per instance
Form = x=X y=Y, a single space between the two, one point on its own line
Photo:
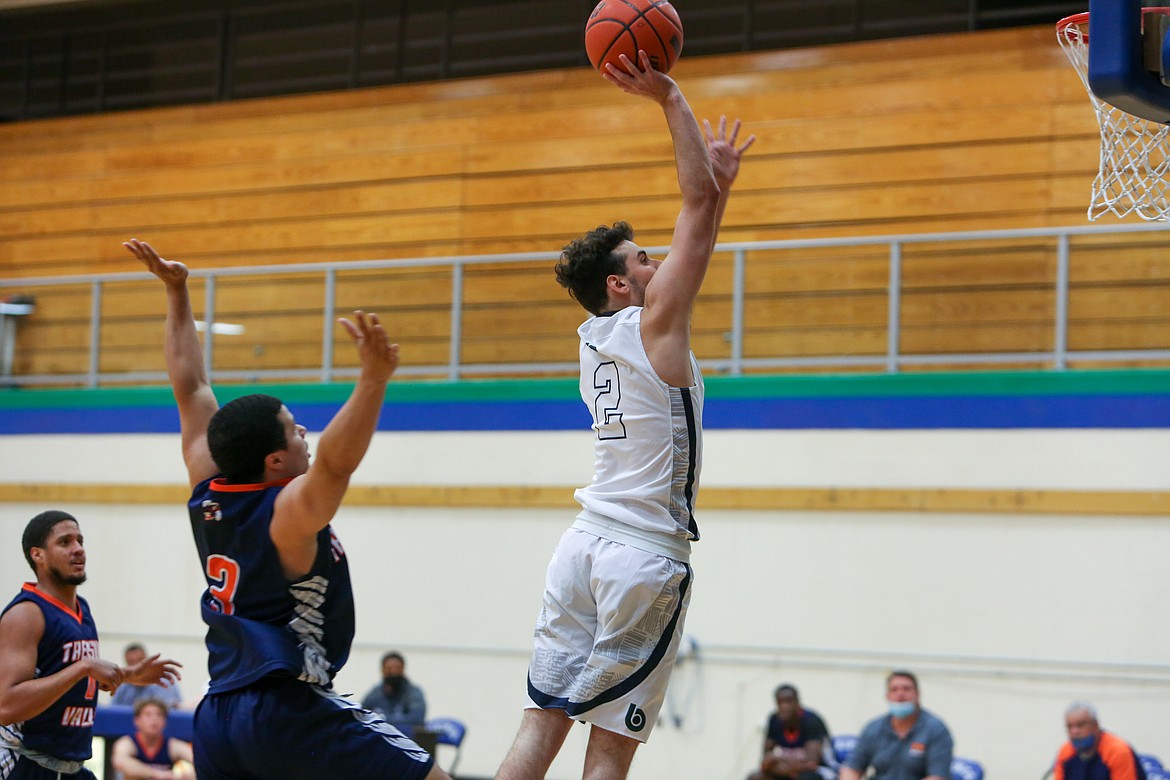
x=396 y=699
x=1092 y=753
x=796 y=745
x=148 y=754
x=908 y=743
x=128 y=694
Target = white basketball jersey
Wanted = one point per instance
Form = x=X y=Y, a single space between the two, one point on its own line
x=648 y=447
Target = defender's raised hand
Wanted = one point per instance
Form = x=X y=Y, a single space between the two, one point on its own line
x=171 y=272
x=378 y=356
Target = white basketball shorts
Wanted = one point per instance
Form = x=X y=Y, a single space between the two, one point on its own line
x=608 y=633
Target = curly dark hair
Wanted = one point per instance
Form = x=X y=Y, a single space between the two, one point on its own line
x=587 y=262
x=242 y=434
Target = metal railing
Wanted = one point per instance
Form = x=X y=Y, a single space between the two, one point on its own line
x=1058 y=241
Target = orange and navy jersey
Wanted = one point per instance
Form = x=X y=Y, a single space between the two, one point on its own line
x=259 y=623
x=160 y=757
x=65 y=729
x=1113 y=760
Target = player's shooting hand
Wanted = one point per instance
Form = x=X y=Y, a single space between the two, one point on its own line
x=379 y=357
x=153 y=670
x=171 y=272
x=725 y=155
x=642 y=81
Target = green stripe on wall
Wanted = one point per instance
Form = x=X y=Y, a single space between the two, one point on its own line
x=401 y=392
x=1000 y=383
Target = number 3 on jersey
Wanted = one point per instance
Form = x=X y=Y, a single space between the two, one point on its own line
x=224 y=574
x=607 y=417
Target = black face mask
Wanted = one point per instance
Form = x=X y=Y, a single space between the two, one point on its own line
x=393 y=682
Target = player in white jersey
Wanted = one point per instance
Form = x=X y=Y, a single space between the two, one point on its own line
x=618 y=584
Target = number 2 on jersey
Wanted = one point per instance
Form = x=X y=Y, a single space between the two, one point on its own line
x=224 y=572
x=607 y=417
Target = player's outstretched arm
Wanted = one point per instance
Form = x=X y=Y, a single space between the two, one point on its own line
x=23 y=695
x=193 y=393
x=670 y=294
x=725 y=156
x=309 y=502
x=695 y=177
x=676 y=284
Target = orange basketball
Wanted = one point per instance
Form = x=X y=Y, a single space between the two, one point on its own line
x=624 y=26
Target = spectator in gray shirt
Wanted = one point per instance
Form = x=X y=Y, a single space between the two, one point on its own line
x=128 y=694
x=396 y=699
x=909 y=743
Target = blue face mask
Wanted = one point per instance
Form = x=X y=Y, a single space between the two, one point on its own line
x=902 y=709
x=1084 y=744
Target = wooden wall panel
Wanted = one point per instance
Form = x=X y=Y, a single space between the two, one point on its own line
x=900 y=136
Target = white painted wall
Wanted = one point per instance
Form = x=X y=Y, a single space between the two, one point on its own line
x=1006 y=618
x=1052 y=459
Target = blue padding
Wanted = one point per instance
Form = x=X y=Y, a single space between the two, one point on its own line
x=1116 y=72
x=115 y=720
x=872 y=412
x=129 y=419
x=908 y=413
x=487 y=416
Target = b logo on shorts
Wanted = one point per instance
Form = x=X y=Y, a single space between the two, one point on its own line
x=635 y=718
x=211 y=511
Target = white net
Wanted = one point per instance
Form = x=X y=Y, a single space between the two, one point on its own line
x=1135 y=159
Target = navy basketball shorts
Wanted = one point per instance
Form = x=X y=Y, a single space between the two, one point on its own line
x=291 y=730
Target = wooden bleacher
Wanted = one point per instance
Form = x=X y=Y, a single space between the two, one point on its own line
x=944 y=133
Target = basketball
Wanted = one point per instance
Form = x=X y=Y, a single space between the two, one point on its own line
x=619 y=27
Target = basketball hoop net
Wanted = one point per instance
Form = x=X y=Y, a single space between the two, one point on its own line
x=1135 y=161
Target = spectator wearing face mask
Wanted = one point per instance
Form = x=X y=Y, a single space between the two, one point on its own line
x=1092 y=753
x=908 y=743
x=396 y=699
